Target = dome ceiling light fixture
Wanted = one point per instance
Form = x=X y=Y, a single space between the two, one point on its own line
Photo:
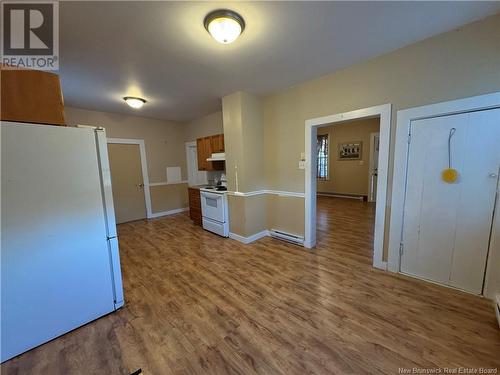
x=134 y=102
x=224 y=25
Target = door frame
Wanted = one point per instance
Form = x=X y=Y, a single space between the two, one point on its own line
x=404 y=119
x=371 y=161
x=384 y=112
x=144 y=167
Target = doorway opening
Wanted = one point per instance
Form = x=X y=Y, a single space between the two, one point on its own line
x=346 y=175
x=195 y=176
x=328 y=174
x=129 y=179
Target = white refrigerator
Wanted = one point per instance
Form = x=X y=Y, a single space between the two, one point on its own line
x=60 y=265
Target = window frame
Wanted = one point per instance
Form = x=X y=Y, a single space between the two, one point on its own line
x=328 y=153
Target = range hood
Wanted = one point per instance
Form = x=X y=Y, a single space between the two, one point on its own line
x=220 y=156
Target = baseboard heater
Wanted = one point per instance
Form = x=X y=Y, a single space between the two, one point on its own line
x=288 y=237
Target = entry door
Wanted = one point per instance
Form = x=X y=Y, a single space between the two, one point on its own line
x=127 y=182
x=447 y=226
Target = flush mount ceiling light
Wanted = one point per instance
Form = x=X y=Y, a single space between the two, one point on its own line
x=134 y=102
x=224 y=25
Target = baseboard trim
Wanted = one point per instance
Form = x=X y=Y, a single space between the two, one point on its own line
x=261 y=192
x=346 y=196
x=382 y=265
x=249 y=239
x=154 y=215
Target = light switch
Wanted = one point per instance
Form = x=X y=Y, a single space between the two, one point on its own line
x=302 y=156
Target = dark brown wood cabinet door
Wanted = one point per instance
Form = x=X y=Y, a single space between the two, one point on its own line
x=202 y=160
x=207 y=147
x=217 y=143
x=195 y=205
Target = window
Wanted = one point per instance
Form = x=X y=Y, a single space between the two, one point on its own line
x=322 y=172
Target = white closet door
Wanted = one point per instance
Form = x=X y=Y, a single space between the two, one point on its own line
x=447 y=226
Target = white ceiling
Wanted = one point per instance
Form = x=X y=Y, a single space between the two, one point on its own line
x=161 y=51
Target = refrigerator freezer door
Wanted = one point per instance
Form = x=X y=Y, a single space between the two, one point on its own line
x=55 y=265
x=102 y=153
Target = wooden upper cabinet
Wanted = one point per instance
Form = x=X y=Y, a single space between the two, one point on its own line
x=206 y=147
x=217 y=143
x=202 y=159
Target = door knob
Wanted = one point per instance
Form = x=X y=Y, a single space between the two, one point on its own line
x=140 y=185
x=492 y=175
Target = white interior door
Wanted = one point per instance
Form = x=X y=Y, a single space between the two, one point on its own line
x=195 y=177
x=447 y=226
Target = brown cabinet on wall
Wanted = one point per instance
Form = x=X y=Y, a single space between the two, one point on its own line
x=217 y=143
x=31 y=96
x=202 y=155
x=195 y=205
x=206 y=147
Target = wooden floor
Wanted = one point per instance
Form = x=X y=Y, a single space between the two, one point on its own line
x=198 y=303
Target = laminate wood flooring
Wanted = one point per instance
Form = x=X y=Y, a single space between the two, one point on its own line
x=197 y=303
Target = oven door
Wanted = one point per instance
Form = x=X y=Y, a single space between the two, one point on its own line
x=212 y=206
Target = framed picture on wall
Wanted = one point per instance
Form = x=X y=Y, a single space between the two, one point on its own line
x=350 y=150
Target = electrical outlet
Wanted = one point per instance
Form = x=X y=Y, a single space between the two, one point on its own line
x=302 y=164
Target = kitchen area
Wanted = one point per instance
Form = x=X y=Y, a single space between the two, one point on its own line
x=208 y=204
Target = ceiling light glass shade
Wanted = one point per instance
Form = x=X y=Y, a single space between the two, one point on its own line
x=134 y=102
x=224 y=25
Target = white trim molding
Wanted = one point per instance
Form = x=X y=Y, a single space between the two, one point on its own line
x=170 y=212
x=252 y=238
x=311 y=125
x=144 y=167
x=404 y=119
x=260 y=192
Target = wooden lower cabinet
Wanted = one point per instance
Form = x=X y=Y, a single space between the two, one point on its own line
x=194 y=205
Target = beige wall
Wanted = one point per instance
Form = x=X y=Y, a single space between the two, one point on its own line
x=254 y=214
x=456 y=64
x=164 y=141
x=169 y=197
x=348 y=176
x=243 y=134
x=286 y=214
x=247 y=215
x=203 y=127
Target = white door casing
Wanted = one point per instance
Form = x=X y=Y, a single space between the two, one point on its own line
x=311 y=125
x=144 y=167
x=373 y=167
